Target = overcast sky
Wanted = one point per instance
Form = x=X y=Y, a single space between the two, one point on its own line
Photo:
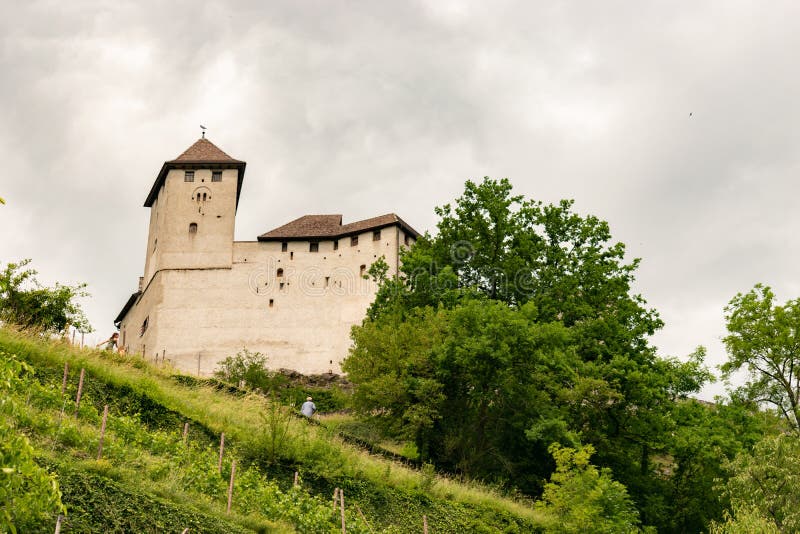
x=675 y=121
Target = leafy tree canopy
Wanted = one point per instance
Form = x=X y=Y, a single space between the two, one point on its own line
x=26 y=303
x=764 y=339
x=515 y=327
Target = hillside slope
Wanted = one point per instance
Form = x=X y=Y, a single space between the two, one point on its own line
x=149 y=479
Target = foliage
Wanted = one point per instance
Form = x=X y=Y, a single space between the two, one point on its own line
x=766 y=483
x=28 y=494
x=764 y=338
x=25 y=302
x=516 y=327
x=249 y=367
x=582 y=498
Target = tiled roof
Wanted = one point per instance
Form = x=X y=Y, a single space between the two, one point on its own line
x=204 y=151
x=330 y=226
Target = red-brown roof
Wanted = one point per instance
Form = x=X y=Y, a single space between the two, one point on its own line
x=330 y=226
x=204 y=151
x=202 y=154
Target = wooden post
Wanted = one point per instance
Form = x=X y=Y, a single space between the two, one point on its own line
x=64 y=382
x=73 y=337
x=185 y=531
x=80 y=390
x=341 y=508
x=335 y=498
x=295 y=477
x=230 y=486
x=424 y=524
x=221 y=450
x=102 y=432
x=82 y=339
x=163 y=355
x=58 y=524
x=185 y=431
x=364 y=519
x=198 y=365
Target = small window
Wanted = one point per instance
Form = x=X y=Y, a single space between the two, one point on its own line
x=216 y=176
x=354 y=241
x=335 y=244
x=188 y=176
x=376 y=235
x=271 y=302
x=313 y=247
x=406 y=239
x=284 y=246
x=291 y=255
x=192 y=228
x=280 y=273
x=143 y=329
x=363 y=270
x=327 y=280
x=280 y=286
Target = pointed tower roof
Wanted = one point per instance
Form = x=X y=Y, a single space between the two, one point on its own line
x=203 y=154
x=204 y=151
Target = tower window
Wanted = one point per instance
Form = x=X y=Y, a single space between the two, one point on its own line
x=354 y=241
x=188 y=176
x=216 y=176
x=406 y=239
x=192 y=228
x=280 y=273
x=363 y=270
x=313 y=247
x=284 y=246
x=376 y=235
x=271 y=302
x=335 y=244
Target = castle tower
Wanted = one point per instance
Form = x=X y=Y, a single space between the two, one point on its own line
x=192 y=210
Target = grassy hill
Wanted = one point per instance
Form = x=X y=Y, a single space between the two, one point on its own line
x=149 y=479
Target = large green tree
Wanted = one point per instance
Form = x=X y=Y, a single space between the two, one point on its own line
x=514 y=327
x=764 y=340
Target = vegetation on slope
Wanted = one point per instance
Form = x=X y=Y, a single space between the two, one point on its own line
x=149 y=480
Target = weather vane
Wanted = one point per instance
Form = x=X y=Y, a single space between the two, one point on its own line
x=203 y=128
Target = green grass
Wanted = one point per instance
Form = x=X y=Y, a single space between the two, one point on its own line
x=147 y=467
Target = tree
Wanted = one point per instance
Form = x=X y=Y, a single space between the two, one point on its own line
x=765 y=485
x=26 y=303
x=515 y=327
x=582 y=498
x=764 y=339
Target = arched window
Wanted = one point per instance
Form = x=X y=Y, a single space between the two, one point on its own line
x=280 y=273
x=193 y=228
x=363 y=270
x=204 y=197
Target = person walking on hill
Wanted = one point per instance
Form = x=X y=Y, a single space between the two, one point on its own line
x=110 y=343
x=308 y=408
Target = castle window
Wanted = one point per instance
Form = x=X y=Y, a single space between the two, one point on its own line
x=354 y=241
x=192 y=228
x=216 y=176
x=280 y=273
x=143 y=329
x=313 y=247
x=327 y=280
x=271 y=302
x=284 y=246
x=188 y=176
x=204 y=197
x=280 y=286
x=376 y=235
x=335 y=244
x=291 y=255
x=406 y=239
x=363 y=270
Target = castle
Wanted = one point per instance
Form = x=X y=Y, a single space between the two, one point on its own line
x=292 y=294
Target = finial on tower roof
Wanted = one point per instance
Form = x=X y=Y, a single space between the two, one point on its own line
x=203 y=128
